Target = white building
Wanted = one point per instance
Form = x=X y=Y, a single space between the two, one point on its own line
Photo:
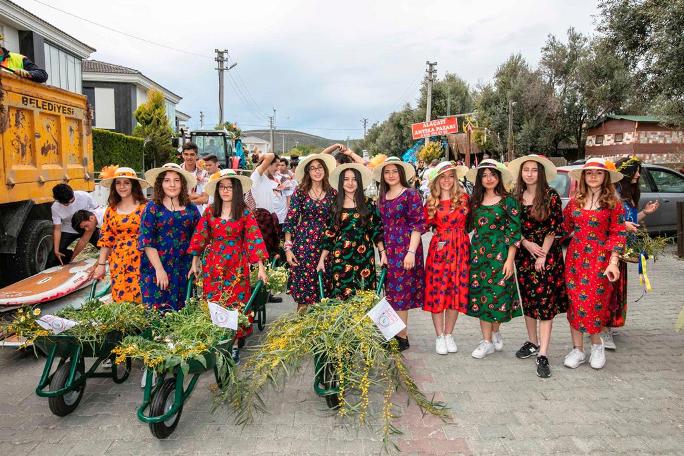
x=254 y=143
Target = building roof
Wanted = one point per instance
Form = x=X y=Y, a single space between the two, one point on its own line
x=96 y=66
x=629 y=117
x=181 y=116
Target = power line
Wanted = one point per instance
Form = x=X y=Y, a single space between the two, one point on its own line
x=249 y=94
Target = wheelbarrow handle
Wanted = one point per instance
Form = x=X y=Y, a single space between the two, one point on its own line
x=257 y=288
x=188 y=291
x=320 y=284
x=97 y=295
x=381 y=280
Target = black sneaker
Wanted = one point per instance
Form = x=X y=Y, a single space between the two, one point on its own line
x=528 y=349
x=403 y=343
x=236 y=355
x=272 y=298
x=543 y=369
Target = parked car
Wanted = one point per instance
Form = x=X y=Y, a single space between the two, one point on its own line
x=656 y=183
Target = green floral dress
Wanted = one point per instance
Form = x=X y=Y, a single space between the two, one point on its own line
x=352 y=257
x=496 y=228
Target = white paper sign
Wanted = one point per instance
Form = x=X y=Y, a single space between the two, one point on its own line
x=55 y=324
x=222 y=317
x=386 y=319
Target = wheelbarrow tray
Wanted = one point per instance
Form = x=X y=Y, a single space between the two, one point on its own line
x=63 y=345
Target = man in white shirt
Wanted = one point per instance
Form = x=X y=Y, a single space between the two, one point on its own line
x=87 y=224
x=67 y=203
x=288 y=185
x=197 y=195
x=211 y=166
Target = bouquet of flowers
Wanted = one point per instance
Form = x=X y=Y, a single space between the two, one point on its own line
x=277 y=279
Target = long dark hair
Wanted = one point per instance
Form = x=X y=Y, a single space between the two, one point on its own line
x=541 y=205
x=359 y=198
x=237 y=205
x=158 y=194
x=629 y=191
x=306 y=184
x=479 y=190
x=384 y=188
x=136 y=191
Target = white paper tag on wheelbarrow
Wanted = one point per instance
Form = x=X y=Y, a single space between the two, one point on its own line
x=55 y=324
x=386 y=319
x=222 y=317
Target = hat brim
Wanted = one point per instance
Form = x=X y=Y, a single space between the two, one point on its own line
x=245 y=181
x=327 y=159
x=460 y=170
x=409 y=170
x=506 y=176
x=107 y=183
x=614 y=175
x=366 y=176
x=549 y=168
x=190 y=179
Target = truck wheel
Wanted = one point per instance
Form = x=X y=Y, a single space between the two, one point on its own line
x=34 y=247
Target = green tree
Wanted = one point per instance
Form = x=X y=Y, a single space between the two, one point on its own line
x=393 y=136
x=153 y=126
x=450 y=94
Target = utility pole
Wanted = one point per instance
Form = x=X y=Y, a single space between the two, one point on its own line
x=431 y=71
x=271 y=126
x=283 y=142
x=364 y=121
x=221 y=60
x=449 y=104
x=509 y=139
x=201 y=119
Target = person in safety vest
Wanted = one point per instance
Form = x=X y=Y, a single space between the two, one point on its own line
x=21 y=66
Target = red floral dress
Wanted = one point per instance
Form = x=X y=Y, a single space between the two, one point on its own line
x=231 y=246
x=595 y=234
x=447 y=264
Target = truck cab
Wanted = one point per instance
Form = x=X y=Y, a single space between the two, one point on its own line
x=215 y=142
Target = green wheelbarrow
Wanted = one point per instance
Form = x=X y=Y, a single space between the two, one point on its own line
x=259 y=306
x=164 y=396
x=326 y=380
x=65 y=385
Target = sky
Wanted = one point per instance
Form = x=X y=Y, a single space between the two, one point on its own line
x=323 y=66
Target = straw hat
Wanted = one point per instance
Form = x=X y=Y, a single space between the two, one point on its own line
x=597 y=163
x=366 y=176
x=327 y=159
x=549 y=168
x=506 y=175
x=152 y=174
x=444 y=167
x=114 y=172
x=408 y=168
x=215 y=178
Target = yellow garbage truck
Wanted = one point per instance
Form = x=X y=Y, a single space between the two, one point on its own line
x=46 y=140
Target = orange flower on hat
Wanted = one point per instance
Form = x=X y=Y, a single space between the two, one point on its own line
x=201 y=164
x=610 y=165
x=108 y=172
x=375 y=161
x=216 y=175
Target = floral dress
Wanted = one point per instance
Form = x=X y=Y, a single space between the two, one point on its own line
x=169 y=232
x=595 y=234
x=231 y=246
x=446 y=267
x=119 y=232
x=543 y=293
x=400 y=217
x=306 y=221
x=497 y=227
x=350 y=244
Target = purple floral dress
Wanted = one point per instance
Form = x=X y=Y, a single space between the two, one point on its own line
x=306 y=221
x=169 y=232
x=404 y=214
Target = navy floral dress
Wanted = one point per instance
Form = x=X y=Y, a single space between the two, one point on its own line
x=169 y=232
x=400 y=217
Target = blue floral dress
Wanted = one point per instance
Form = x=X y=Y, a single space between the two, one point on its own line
x=169 y=232
x=400 y=217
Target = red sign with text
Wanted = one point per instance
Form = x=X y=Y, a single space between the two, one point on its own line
x=437 y=127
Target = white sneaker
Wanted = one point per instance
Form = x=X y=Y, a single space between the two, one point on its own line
x=608 y=341
x=485 y=348
x=598 y=356
x=575 y=358
x=440 y=345
x=451 y=344
x=498 y=341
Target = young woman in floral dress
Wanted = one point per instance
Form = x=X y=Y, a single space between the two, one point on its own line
x=495 y=217
x=594 y=218
x=119 y=234
x=232 y=240
x=354 y=227
x=403 y=220
x=307 y=219
x=446 y=267
x=167 y=224
x=541 y=269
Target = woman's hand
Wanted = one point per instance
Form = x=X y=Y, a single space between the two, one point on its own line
x=261 y=275
x=631 y=227
x=291 y=259
x=651 y=207
x=98 y=272
x=194 y=270
x=508 y=269
x=534 y=248
x=161 y=279
x=321 y=265
x=383 y=259
x=612 y=272
x=409 y=260
x=539 y=264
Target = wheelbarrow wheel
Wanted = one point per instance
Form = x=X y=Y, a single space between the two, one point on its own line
x=161 y=404
x=121 y=371
x=330 y=381
x=66 y=403
x=261 y=318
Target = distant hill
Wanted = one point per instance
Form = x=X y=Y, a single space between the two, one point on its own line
x=293 y=138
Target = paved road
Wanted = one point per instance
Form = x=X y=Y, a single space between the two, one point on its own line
x=633 y=406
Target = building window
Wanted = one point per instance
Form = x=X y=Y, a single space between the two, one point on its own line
x=599 y=139
x=63 y=69
x=619 y=137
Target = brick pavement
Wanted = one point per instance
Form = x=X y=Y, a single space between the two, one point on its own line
x=633 y=406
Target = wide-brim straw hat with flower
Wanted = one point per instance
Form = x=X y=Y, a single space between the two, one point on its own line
x=598 y=163
x=409 y=170
x=215 y=178
x=549 y=168
x=327 y=159
x=445 y=167
x=190 y=179
x=111 y=172
x=366 y=176
x=506 y=175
